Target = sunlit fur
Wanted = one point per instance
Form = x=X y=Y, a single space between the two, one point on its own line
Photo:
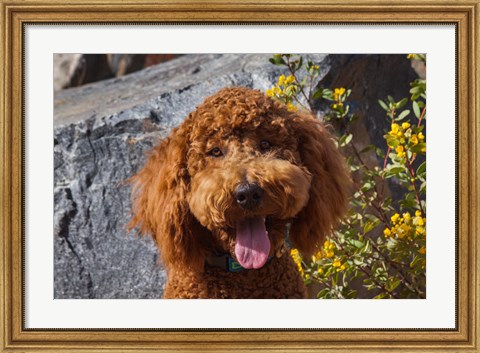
x=183 y=196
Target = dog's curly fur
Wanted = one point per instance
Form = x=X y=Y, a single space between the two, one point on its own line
x=184 y=195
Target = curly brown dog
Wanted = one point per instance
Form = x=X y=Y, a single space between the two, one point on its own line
x=222 y=191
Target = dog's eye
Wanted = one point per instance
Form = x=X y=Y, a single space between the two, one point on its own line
x=215 y=152
x=265 y=145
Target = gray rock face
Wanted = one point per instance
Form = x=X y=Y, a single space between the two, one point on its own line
x=102 y=132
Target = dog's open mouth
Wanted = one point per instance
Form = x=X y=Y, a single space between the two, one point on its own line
x=252 y=246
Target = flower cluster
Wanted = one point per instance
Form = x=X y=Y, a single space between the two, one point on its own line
x=337 y=264
x=406 y=226
x=420 y=57
x=326 y=258
x=338 y=97
x=329 y=249
x=284 y=89
x=403 y=137
x=297 y=258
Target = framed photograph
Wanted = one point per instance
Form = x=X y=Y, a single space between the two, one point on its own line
x=267 y=159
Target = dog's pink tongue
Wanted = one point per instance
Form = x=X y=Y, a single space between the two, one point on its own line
x=252 y=245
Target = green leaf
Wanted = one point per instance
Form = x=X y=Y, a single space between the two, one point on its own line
x=367 y=148
x=383 y=105
x=416 y=109
x=318 y=93
x=371 y=224
x=422 y=168
x=358 y=261
x=356 y=243
x=367 y=186
x=379 y=152
x=348 y=139
x=327 y=94
x=345 y=140
x=401 y=103
x=418 y=147
x=393 y=171
x=403 y=114
x=391 y=141
x=393 y=285
x=277 y=60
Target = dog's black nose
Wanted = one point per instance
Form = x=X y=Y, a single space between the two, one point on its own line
x=248 y=195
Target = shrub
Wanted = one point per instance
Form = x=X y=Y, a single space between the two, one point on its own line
x=381 y=243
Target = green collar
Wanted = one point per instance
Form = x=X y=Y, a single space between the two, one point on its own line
x=225 y=262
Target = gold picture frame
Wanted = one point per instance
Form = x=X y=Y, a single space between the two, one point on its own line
x=464 y=14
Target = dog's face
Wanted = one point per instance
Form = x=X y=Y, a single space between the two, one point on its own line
x=247 y=182
x=239 y=169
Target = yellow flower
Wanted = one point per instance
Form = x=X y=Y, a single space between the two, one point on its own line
x=407 y=217
x=414 y=139
x=400 y=151
x=294 y=253
x=418 y=213
x=410 y=56
x=337 y=93
x=291 y=107
x=403 y=230
x=395 y=218
x=422 y=250
x=405 y=126
x=289 y=79
x=329 y=248
x=328 y=245
x=281 y=80
x=329 y=253
x=317 y=256
x=420 y=136
x=394 y=130
x=424 y=149
x=387 y=232
x=270 y=92
x=338 y=265
x=320 y=271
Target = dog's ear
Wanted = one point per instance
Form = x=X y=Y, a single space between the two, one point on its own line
x=330 y=184
x=159 y=202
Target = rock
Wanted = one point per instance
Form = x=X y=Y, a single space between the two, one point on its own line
x=103 y=130
x=122 y=64
x=71 y=70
